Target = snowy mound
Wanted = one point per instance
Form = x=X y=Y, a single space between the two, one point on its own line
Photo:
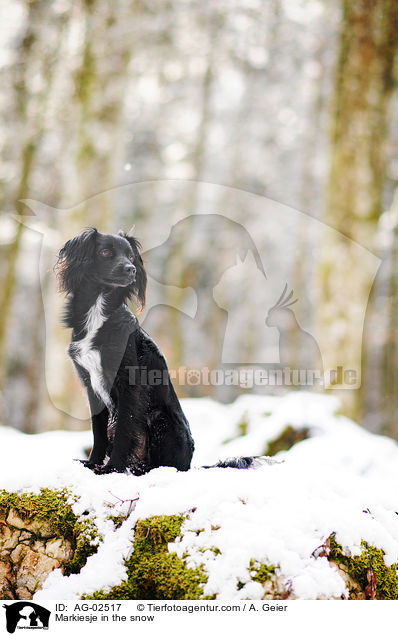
x=335 y=479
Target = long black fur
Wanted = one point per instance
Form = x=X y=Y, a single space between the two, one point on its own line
x=136 y=426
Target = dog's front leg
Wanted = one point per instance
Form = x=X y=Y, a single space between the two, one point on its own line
x=130 y=443
x=99 y=422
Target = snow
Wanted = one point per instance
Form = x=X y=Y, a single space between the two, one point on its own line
x=342 y=479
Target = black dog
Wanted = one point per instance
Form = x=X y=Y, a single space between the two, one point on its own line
x=136 y=426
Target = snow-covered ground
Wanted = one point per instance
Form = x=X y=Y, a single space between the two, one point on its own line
x=342 y=479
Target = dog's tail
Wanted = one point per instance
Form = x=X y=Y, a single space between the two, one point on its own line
x=244 y=462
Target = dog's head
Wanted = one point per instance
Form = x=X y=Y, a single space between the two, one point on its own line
x=109 y=260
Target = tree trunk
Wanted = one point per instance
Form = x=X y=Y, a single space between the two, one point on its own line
x=363 y=84
x=388 y=382
x=31 y=122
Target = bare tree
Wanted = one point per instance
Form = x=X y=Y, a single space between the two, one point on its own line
x=363 y=86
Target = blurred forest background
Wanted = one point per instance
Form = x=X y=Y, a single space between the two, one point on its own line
x=135 y=112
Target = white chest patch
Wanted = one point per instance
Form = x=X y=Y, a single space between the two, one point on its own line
x=87 y=356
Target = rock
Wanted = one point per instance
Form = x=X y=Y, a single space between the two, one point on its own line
x=32 y=570
x=59 y=549
x=5 y=576
x=39 y=527
x=28 y=566
x=356 y=592
x=173 y=557
x=25 y=536
x=33 y=542
x=8 y=538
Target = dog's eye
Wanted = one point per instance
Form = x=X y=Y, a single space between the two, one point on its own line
x=105 y=252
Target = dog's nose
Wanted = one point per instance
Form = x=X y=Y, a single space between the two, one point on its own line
x=129 y=268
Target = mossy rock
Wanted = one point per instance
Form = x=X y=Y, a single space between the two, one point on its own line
x=46 y=517
x=156 y=573
x=288 y=438
x=153 y=571
x=261 y=572
x=367 y=575
x=43 y=526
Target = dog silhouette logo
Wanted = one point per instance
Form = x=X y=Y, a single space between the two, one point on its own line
x=26 y=615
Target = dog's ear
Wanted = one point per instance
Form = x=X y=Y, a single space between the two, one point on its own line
x=74 y=258
x=138 y=288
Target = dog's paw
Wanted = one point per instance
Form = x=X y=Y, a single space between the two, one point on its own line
x=139 y=468
x=106 y=470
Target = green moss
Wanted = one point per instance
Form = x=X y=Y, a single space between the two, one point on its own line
x=288 y=438
x=86 y=543
x=52 y=508
x=261 y=572
x=117 y=520
x=357 y=567
x=243 y=426
x=154 y=572
x=211 y=548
